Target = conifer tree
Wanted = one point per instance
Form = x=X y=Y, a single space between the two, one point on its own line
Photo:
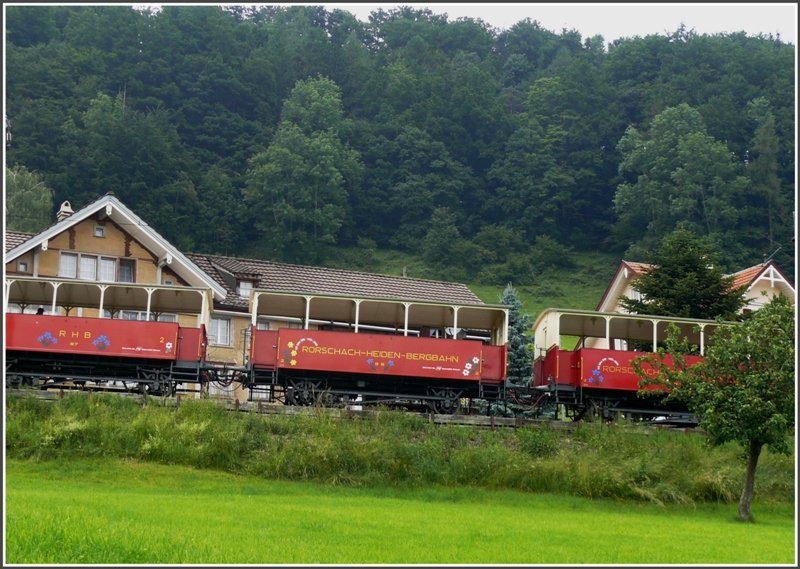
x=520 y=355
x=685 y=280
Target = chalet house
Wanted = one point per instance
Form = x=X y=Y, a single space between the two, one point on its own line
x=763 y=281
x=104 y=261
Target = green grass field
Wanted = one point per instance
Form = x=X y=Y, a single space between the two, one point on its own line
x=111 y=511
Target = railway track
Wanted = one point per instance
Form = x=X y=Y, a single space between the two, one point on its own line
x=264 y=408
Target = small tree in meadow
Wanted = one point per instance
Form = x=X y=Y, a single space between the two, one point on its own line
x=744 y=389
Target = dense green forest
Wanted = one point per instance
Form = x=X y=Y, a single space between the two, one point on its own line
x=293 y=133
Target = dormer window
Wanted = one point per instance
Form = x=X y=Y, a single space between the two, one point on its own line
x=244 y=288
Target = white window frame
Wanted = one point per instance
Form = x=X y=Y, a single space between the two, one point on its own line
x=85 y=271
x=99 y=231
x=214 y=331
x=22 y=266
x=131 y=315
x=68 y=272
x=102 y=277
x=132 y=262
x=244 y=288
x=79 y=270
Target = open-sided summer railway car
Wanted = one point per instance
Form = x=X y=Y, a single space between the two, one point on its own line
x=59 y=350
x=583 y=361
x=367 y=350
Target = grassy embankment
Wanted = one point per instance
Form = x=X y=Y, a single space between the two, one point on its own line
x=394 y=449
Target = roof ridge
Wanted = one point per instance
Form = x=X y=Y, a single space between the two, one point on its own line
x=336 y=269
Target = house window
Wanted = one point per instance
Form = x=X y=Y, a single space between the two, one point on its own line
x=22 y=266
x=244 y=288
x=107 y=271
x=29 y=309
x=127 y=271
x=131 y=315
x=138 y=315
x=99 y=231
x=87 y=268
x=262 y=325
x=68 y=265
x=219 y=332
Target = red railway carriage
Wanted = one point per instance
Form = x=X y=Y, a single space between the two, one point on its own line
x=584 y=360
x=389 y=358
x=53 y=349
x=58 y=349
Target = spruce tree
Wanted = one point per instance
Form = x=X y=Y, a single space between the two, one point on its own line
x=520 y=355
x=685 y=280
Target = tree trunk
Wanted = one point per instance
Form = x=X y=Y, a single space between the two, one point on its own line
x=749 y=482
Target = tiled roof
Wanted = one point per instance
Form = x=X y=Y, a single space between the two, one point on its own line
x=321 y=280
x=747 y=276
x=15 y=238
x=638 y=268
x=740 y=278
x=234 y=266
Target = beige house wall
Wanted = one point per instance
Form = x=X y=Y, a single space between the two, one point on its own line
x=761 y=293
x=14 y=267
x=115 y=243
x=80 y=238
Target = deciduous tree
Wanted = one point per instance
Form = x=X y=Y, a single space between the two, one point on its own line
x=298 y=188
x=744 y=389
x=29 y=201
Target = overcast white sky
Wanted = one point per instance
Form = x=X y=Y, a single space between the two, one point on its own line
x=616 y=20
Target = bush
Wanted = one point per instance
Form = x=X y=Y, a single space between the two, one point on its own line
x=547 y=253
x=538 y=442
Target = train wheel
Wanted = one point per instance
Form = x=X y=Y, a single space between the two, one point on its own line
x=328 y=399
x=303 y=393
x=447 y=401
x=14 y=381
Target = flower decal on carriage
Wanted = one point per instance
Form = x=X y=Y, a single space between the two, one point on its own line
x=47 y=339
x=472 y=367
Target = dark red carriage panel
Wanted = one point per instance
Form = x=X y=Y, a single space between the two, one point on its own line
x=264 y=348
x=91 y=336
x=493 y=366
x=613 y=369
x=347 y=352
x=192 y=344
x=558 y=366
